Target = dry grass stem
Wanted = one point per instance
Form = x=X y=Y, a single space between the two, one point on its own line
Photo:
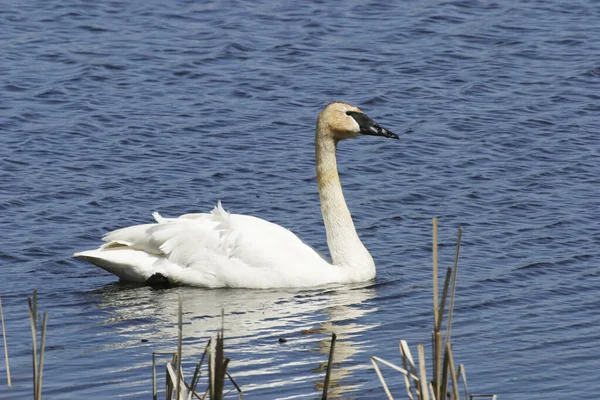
x=198 y=370
x=422 y=373
x=438 y=363
x=405 y=353
x=452 y=372
x=463 y=374
x=170 y=388
x=179 y=343
x=329 y=365
x=406 y=377
x=38 y=364
x=435 y=271
x=397 y=368
x=453 y=287
x=438 y=328
x=5 y=346
x=431 y=391
x=443 y=370
x=32 y=321
x=42 y=351
x=241 y=396
x=385 y=386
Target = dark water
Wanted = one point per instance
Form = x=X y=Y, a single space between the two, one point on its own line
x=111 y=111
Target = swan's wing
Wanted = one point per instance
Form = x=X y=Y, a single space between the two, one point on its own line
x=171 y=238
x=260 y=243
x=218 y=249
x=137 y=252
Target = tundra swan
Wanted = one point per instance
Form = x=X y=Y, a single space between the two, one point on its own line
x=219 y=249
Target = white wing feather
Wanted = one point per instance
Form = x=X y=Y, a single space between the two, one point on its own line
x=214 y=250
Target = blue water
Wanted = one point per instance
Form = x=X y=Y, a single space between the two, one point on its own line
x=111 y=111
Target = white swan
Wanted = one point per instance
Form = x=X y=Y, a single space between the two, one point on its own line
x=219 y=249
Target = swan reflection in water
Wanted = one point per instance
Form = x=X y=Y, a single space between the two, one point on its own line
x=254 y=323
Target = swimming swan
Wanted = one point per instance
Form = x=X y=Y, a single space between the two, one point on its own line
x=220 y=249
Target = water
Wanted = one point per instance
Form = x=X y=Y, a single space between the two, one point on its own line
x=111 y=111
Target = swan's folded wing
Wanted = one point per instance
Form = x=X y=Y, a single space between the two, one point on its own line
x=260 y=243
x=177 y=239
x=220 y=249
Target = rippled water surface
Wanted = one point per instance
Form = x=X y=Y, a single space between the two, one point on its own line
x=112 y=110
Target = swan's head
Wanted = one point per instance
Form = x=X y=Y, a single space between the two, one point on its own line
x=344 y=121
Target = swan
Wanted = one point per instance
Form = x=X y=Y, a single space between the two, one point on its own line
x=220 y=249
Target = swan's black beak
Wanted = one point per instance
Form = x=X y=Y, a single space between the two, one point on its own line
x=370 y=127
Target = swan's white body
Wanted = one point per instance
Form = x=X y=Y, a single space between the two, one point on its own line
x=220 y=249
x=216 y=250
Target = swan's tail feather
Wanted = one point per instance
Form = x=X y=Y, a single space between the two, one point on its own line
x=219 y=212
x=170 y=247
x=228 y=236
x=159 y=218
x=131 y=234
x=126 y=263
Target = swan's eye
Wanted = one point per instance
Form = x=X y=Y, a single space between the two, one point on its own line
x=348 y=112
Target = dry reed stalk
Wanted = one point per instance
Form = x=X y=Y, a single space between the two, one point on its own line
x=173 y=377
x=154 y=380
x=223 y=375
x=444 y=371
x=444 y=384
x=385 y=386
x=433 y=354
x=169 y=385
x=421 y=384
x=42 y=351
x=32 y=321
x=33 y=304
x=453 y=290
x=435 y=271
x=154 y=388
x=431 y=391
x=222 y=361
x=239 y=389
x=219 y=368
x=397 y=368
x=211 y=369
x=437 y=347
x=179 y=343
x=405 y=353
x=422 y=373
x=329 y=364
x=198 y=371
x=438 y=312
x=406 y=377
x=438 y=328
x=205 y=393
x=38 y=365
x=438 y=363
x=453 y=376
x=463 y=374
x=5 y=346
x=191 y=393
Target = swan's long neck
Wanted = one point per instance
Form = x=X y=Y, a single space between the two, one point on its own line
x=344 y=245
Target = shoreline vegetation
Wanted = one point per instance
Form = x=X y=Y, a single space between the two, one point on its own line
x=444 y=382
x=445 y=377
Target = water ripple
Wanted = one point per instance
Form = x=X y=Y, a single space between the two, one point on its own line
x=113 y=110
